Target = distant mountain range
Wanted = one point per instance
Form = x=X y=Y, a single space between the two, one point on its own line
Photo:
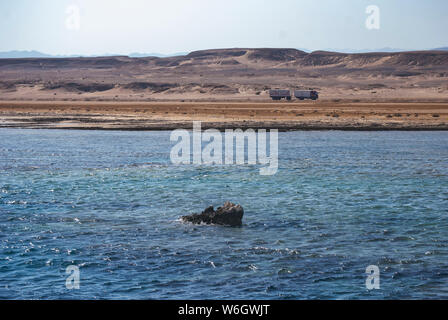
x=37 y=54
x=23 y=54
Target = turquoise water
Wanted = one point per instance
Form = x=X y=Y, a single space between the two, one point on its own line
x=109 y=202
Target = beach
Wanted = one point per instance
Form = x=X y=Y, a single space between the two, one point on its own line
x=140 y=115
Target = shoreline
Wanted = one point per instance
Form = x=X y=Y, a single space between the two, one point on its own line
x=284 y=116
x=221 y=127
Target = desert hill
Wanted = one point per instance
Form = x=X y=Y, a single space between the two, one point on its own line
x=221 y=74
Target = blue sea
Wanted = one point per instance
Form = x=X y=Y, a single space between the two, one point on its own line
x=109 y=202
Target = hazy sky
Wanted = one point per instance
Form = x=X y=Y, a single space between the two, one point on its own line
x=168 y=26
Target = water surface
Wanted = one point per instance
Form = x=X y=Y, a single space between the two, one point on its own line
x=109 y=202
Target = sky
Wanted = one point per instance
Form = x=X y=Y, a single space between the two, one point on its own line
x=95 y=27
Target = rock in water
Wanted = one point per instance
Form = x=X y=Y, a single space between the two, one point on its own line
x=229 y=214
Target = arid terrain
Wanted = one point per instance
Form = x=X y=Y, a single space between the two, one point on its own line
x=171 y=115
x=228 y=88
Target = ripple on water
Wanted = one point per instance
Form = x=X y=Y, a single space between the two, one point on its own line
x=109 y=202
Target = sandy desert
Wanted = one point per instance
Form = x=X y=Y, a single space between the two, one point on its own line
x=228 y=88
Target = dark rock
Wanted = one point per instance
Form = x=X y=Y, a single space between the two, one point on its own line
x=229 y=214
